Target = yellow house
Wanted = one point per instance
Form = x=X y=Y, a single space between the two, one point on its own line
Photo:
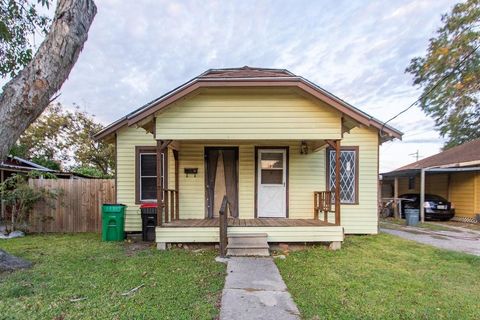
x=453 y=174
x=269 y=141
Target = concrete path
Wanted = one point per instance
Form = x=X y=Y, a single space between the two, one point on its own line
x=467 y=241
x=254 y=289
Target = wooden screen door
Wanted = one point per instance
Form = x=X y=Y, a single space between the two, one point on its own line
x=272 y=180
x=221 y=179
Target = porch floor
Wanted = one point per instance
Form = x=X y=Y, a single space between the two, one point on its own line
x=258 y=222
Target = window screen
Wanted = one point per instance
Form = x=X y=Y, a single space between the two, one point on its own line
x=348 y=175
x=148 y=176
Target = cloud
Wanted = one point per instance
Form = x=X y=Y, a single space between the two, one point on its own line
x=138 y=50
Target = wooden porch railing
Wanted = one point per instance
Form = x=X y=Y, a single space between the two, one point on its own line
x=322 y=201
x=223 y=227
x=171 y=207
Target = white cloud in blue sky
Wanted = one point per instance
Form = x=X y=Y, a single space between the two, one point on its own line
x=358 y=50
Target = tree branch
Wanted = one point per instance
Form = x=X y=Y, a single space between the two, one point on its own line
x=26 y=96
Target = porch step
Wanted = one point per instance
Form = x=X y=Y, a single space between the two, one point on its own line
x=248 y=244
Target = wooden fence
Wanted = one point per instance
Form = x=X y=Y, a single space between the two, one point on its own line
x=78 y=208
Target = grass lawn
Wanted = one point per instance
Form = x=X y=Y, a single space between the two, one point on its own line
x=383 y=277
x=178 y=284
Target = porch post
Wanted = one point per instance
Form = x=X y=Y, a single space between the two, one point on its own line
x=396 y=207
x=161 y=147
x=422 y=195
x=337 y=182
x=177 y=184
x=159 y=183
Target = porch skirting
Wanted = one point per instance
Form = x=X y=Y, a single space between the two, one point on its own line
x=294 y=232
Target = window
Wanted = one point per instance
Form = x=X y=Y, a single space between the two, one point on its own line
x=148 y=176
x=411 y=183
x=348 y=174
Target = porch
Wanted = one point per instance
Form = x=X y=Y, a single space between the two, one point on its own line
x=277 y=230
x=258 y=222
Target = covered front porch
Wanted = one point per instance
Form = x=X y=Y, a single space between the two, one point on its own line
x=188 y=197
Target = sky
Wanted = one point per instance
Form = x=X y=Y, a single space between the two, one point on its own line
x=358 y=50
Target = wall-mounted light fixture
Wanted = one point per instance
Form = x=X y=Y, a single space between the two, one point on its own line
x=303 y=147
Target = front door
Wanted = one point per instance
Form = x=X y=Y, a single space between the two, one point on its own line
x=221 y=179
x=272 y=183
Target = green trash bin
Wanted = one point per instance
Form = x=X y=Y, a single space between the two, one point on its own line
x=113 y=222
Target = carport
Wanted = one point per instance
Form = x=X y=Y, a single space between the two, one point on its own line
x=423 y=174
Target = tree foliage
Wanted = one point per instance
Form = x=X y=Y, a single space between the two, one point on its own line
x=20 y=20
x=20 y=197
x=61 y=136
x=454 y=104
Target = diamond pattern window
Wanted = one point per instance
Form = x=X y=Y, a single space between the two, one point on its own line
x=348 y=174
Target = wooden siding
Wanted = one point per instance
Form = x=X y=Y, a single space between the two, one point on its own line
x=127 y=139
x=275 y=234
x=434 y=184
x=306 y=175
x=248 y=114
x=477 y=193
x=363 y=217
x=462 y=193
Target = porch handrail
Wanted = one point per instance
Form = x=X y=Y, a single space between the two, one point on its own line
x=322 y=201
x=223 y=226
x=170 y=205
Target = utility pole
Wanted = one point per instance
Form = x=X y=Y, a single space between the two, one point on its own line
x=416 y=155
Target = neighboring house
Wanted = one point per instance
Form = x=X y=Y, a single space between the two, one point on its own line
x=16 y=165
x=265 y=138
x=453 y=174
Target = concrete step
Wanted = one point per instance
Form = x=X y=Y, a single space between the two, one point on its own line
x=247 y=252
x=248 y=244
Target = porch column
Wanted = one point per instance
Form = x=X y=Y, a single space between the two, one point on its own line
x=337 y=182
x=396 y=203
x=177 y=197
x=422 y=195
x=161 y=147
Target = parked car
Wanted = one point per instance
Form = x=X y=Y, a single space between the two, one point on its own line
x=436 y=207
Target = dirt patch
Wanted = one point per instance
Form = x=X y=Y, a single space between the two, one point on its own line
x=132 y=248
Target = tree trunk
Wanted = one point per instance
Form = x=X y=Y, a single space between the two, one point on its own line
x=26 y=96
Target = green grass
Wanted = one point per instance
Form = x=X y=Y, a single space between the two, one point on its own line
x=178 y=284
x=383 y=277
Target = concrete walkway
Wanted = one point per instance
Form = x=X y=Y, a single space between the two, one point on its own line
x=254 y=289
x=467 y=241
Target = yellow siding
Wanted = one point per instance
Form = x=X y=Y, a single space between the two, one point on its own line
x=253 y=115
x=363 y=218
x=477 y=193
x=434 y=184
x=307 y=173
x=462 y=193
x=127 y=139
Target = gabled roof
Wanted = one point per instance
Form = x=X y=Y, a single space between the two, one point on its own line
x=467 y=154
x=248 y=77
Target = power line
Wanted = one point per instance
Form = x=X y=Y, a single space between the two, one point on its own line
x=432 y=88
